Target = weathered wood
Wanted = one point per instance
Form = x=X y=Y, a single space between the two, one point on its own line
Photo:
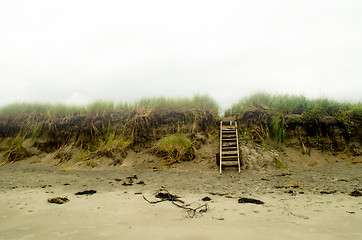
x=229 y=145
x=228 y=152
x=230 y=164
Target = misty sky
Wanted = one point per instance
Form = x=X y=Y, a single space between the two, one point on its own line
x=79 y=51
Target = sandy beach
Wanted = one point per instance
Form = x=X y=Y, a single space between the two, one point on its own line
x=317 y=207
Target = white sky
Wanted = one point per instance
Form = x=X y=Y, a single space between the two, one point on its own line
x=79 y=51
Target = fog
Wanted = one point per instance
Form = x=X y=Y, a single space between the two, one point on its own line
x=79 y=51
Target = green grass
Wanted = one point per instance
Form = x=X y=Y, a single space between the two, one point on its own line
x=279 y=130
x=279 y=163
x=111 y=143
x=276 y=107
x=100 y=107
x=175 y=148
x=51 y=126
x=293 y=104
x=15 y=151
x=165 y=105
x=17 y=110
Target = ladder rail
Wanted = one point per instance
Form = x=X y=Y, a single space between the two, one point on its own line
x=220 y=147
x=237 y=144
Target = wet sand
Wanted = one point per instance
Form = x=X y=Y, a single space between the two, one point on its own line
x=321 y=209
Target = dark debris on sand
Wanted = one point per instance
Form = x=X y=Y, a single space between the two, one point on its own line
x=86 y=192
x=58 y=200
x=205 y=199
x=356 y=193
x=250 y=200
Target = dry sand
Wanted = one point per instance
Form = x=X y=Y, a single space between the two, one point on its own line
x=120 y=212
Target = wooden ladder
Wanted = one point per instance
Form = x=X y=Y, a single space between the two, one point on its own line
x=229 y=145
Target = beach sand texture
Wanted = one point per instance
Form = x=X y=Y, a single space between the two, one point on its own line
x=319 y=208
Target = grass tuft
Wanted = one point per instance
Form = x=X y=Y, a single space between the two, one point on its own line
x=15 y=151
x=279 y=130
x=100 y=108
x=279 y=163
x=110 y=144
x=175 y=148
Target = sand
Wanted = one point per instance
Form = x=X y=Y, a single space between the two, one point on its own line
x=116 y=211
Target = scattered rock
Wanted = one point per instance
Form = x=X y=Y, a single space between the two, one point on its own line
x=58 y=200
x=206 y=199
x=86 y=192
x=141 y=183
x=283 y=174
x=117 y=179
x=132 y=177
x=355 y=193
x=229 y=196
x=343 y=180
x=288 y=186
x=250 y=200
x=127 y=183
x=219 y=194
x=328 y=192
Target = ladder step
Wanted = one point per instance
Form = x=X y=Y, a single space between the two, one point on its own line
x=229 y=153
x=227 y=123
x=229 y=133
x=228 y=128
x=226 y=149
x=226 y=144
x=228 y=138
x=229 y=158
x=229 y=164
x=231 y=140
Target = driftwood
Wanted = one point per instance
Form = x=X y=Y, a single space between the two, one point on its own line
x=165 y=195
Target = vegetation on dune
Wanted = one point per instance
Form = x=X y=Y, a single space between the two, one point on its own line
x=195 y=105
x=15 y=151
x=294 y=104
x=105 y=128
x=264 y=115
x=175 y=148
x=109 y=144
x=109 y=129
x=17 y=111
